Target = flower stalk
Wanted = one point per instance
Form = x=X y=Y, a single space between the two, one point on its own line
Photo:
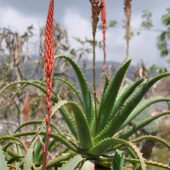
x=103 y=18
x=49 y=65
x=26 y=116
x=96 y=8
x=127 y=11
x=26 y=109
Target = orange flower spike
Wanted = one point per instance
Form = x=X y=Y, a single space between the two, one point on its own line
x=49 y=65
x=103 y=18
x=26 y=116
x=49 y=57
x=26 y=109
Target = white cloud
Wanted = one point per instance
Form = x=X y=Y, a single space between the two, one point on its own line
x=12 y=19
x=16 y=21
x=80 y=26
x=76 y=26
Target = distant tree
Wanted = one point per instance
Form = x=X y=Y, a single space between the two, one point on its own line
x=147 y=22
x=163 y=41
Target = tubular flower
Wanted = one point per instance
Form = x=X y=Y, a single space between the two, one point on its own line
x=26 y=114
x=26 y=109
x=103 y=18
x=49 y=65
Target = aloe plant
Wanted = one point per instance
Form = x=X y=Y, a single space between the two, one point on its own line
x=100 y=138
x=101 y=130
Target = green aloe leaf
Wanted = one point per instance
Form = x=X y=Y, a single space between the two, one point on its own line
x=3 y=163
x=28 y=160
x=109 y=97
x=72 y=163
x=152 y=81
x=106 y=84
x=118 y=161
x=87 y=101
x=143 y=105
x=152 y=138
x=58 y=160
x=5 y=138
x=131 y=103
x=143 y=123
x=80 y=121
x=71 y=87
x=36 y=122
x=58 y=138
x=151 y=128
x=124 y=95
x=88 y=166
x=113 y=126
x=108 y=143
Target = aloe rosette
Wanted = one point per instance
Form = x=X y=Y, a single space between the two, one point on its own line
x=101 y=131
x=99 y=138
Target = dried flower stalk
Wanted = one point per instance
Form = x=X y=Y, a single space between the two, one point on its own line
x=127 y=11
x=103 y=17
x=96 y=8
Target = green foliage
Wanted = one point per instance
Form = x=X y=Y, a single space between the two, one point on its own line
x=112 y=23
x=95 y=138
x=72 y=163
x=99 y=131
x=164 y=37
x=109 y=97
x=147 y=20
x=28 y=160
x=118 y=161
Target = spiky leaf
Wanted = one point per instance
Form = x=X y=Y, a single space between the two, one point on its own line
x=87 y=102
x=106 y=144
x=152 y=138
x=113 y=126
x=143 y=105
x=143 y=123
x=118 y=161
x=124 y=95
x=80 y=121
x=72 y=163
x=151 y=128
x=28 y=160
x=109 y=97
x=3 y=163
x=88 y=166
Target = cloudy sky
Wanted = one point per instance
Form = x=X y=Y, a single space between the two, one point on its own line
x=74 y=16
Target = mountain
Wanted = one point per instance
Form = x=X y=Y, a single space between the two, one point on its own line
x=114 y=66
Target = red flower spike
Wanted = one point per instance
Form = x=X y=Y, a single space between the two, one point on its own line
x=49 y=131
x=26 y=109
x=46 y=119
x=49 y=65
x=26 y=115
x=44 y=148
x=103 y=18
